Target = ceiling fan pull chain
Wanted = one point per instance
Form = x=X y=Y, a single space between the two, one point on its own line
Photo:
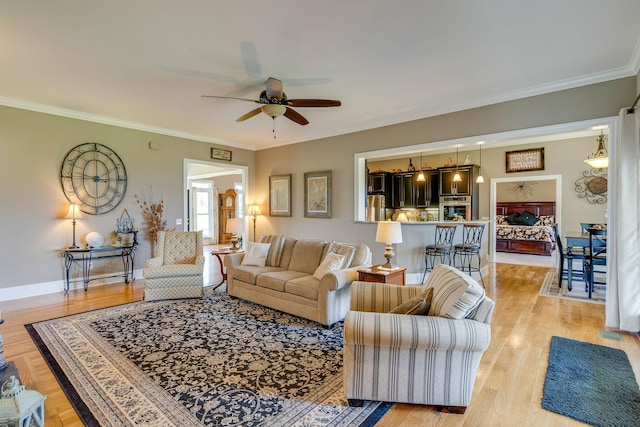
x=274 y=127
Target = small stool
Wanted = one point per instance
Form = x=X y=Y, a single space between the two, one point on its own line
x=441 y=248
x=469 y=248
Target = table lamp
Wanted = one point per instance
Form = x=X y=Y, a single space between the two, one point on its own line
x=389 y=232
x=234 y=226
x=254 y=211
x=73 y=214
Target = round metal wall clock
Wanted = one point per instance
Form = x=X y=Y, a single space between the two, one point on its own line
x=93 y=176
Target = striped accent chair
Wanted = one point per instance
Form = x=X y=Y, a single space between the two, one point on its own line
x=177 y=270
x=431 y=360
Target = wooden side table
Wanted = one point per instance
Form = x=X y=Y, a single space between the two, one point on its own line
x=379 y=275
x=223 y=272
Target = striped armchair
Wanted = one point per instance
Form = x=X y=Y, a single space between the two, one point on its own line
x=177 y=270
x=418 y=359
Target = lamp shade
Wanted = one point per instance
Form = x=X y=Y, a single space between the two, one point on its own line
x=389 y=232
x=74 y=212
x=254 y=210
x=235 y=226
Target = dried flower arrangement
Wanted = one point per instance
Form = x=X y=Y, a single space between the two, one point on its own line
x=152 y=215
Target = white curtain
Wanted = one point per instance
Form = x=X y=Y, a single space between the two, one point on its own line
x=623 y=282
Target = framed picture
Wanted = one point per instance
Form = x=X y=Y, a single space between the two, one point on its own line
x=525 y=160
x=220 y=154
x=280 y=195
x=317 y=194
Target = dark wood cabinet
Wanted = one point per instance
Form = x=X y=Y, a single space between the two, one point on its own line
x=466 y=187
x=402 y=190
x=426 y=192
x=379 y=183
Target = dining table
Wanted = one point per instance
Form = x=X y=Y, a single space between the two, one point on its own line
x=579 y=239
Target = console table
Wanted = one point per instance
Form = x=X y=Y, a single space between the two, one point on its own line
x=87 y=255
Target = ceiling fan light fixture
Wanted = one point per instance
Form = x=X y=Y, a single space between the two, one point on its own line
x=273 y=110
x=600 y=158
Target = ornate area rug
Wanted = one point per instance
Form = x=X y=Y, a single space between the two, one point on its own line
x=210 y=361
x=550 y=288
x=591 y=383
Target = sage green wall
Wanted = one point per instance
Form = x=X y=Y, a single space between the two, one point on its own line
x=337 y=154
x=33 y=204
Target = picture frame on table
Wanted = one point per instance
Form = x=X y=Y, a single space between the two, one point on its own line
x=317 y=194
x=531 y=159
x=280 y=195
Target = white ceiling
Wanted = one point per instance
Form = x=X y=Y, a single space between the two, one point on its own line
x=145 y=63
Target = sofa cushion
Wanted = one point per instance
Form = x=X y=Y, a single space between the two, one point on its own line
x=256 y=254
x=275 y=251
x=287 y=251
x=418 y=305
x=455 y=294
x=276 y=280
x=362 y=255
x=331 y=262
x=249 y=273
x=348 y=251
x=306 y=256
x=306 y=287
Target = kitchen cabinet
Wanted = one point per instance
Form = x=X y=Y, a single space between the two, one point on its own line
x=402 y=190
x=379 y=183
x=466 y=187
x=427 y=192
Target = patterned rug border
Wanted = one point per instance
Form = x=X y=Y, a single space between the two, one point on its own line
x=376 y=411
x=549 y=288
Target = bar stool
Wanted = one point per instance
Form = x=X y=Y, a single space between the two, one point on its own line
x=442 y=247
x=469 y=248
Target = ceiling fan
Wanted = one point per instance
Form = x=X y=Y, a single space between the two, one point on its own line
x=275 y=103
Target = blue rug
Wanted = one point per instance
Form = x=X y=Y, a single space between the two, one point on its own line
x=591 y=383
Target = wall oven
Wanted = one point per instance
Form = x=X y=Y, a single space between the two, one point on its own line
x=455 y=208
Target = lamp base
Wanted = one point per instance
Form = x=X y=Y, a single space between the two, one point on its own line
x=234 y=242
x=388 y=254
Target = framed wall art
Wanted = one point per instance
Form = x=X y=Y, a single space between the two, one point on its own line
x=220 y=154
x=317 y=194
x=525 y=160
x=280 y=195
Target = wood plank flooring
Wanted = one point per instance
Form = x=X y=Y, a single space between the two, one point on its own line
x=508 y=388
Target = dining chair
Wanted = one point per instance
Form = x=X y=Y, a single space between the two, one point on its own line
x=570 y=255
x=596 y=256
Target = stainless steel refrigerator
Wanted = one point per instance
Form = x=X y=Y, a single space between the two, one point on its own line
x=376 y=207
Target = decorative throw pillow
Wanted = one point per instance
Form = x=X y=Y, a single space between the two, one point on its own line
x=512 y=219
x=348 y=251
x=501 y=220
x=418 y=305
x=256 y=254
x=455 y=294
x=331 y=262
x=546 y=220
x=527 y=218
x=275 y=251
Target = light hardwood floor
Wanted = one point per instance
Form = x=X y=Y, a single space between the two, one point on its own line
x=508 y=388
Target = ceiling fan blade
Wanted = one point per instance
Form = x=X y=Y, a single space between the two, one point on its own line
x=296 y=117
x=313 y=103
x=249 y=115
x=231 y=97
x=274 y=88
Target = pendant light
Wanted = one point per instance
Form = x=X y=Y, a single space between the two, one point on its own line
x=456 y=176
x=421 y=174
x=480 y=178
x=599 y=159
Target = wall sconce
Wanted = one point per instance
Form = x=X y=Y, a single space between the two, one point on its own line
x=234 y=226
x=254 y=211
x=480 y=178
x=600 y=158
x=389 y=232
x=73 y=214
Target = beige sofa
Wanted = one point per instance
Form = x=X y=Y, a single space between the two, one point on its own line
x=286 y=282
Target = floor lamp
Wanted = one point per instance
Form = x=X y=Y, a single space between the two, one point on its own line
x=254 y=211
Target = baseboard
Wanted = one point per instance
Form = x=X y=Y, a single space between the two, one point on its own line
x=45 y=288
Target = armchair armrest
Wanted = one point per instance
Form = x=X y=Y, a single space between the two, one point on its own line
x=380 y=297
x=153 y=262
x=388 y=330
x=231 y=260
x=200 y=260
